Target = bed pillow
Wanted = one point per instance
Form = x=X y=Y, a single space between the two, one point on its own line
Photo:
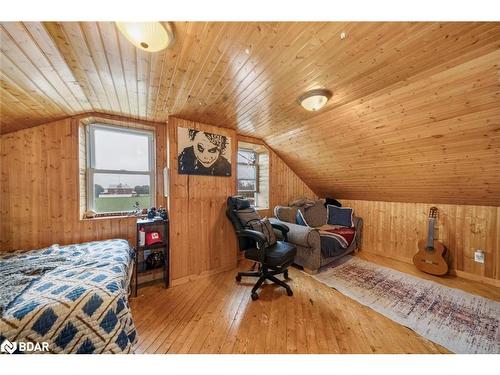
x=264 y=226
x=340 y=216
x=299 y=219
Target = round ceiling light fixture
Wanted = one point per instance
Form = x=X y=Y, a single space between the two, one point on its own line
x=148 y=36
x=314 y=100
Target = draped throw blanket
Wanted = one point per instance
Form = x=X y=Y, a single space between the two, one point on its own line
x=335 y=238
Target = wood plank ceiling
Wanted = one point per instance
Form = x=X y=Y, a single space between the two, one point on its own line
x=415 y=114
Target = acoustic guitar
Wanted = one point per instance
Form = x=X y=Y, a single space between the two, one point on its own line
x=430 y=256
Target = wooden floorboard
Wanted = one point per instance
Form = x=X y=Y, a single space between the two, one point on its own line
x=215 y=314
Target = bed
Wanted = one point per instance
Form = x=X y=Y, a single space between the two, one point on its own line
x=75 y=297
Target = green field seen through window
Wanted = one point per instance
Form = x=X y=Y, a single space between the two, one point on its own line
x=116 y=204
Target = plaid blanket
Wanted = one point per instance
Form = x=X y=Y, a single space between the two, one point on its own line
x=72 y=297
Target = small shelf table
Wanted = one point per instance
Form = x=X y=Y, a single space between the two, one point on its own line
x=150 y=225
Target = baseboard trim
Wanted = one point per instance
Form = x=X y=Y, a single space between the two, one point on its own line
x=461 y=274
x=186 y=279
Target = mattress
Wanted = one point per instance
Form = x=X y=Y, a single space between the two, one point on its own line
x=67 y=299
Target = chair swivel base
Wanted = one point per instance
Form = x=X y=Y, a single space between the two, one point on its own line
x=263 y=274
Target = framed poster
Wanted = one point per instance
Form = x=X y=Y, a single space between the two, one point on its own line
x=203 y=153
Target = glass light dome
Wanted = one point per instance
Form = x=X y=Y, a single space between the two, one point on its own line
x=314 y=100
x=148 y=36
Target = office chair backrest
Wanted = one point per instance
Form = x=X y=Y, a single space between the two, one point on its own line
x=233 y=205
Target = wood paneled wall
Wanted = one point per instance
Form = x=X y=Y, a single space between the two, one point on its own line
x=392 y=229
x=285 y=184
x=39 y=206
x=202 y=240
x=39 y=203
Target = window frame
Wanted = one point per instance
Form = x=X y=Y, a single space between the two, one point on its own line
x=90 y=163
x=256 y=165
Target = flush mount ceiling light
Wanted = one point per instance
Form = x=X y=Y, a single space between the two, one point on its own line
x=314 y=100
x=148 y=36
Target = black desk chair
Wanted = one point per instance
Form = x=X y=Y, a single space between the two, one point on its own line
x=273 y=258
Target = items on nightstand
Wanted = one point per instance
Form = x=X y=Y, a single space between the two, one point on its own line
x=154 y=260
x=152 y=251
x=152 y=213
x=142 y=237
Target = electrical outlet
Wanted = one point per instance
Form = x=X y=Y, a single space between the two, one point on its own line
x=479 y=256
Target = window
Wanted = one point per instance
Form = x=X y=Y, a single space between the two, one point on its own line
x=119 y=168
x=247 y=184
x=253 y=173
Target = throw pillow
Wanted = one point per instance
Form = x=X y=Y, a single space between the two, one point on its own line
x=264 y=226
x=315 y=215
x=299 y=219
x=340 y=216
x=286 y=214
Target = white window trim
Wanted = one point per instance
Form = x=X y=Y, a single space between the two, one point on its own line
x=256 y=191
x=89 y=133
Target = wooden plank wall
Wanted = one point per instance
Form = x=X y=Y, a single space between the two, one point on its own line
x=202 y=240
x=285 y=184
x=392 y=229
x=39 y=206
x=39 y=203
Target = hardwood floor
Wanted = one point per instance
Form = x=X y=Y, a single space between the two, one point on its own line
x=216 y=315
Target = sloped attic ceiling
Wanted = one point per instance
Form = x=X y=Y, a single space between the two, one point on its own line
x=415 y=114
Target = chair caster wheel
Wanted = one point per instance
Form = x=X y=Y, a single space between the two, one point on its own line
x=289 y=293
x=238 y=278
x=255 y=296
x=285 y=274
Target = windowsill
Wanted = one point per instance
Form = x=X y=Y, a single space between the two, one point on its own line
x=106 y=217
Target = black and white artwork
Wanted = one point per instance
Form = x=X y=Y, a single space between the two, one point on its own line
x=203 y=153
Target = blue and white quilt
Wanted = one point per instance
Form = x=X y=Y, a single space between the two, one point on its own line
x=71 y=299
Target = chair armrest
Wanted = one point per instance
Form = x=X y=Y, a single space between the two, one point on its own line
x=258 y=237
x=282 y=228
x=300 y=235
x=254 y=235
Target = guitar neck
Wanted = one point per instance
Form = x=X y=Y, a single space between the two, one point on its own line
x=430 y=235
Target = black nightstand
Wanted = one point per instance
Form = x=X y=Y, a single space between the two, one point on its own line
x=150 y=225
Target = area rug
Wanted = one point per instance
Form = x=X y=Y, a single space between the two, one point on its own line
x=459 y=321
